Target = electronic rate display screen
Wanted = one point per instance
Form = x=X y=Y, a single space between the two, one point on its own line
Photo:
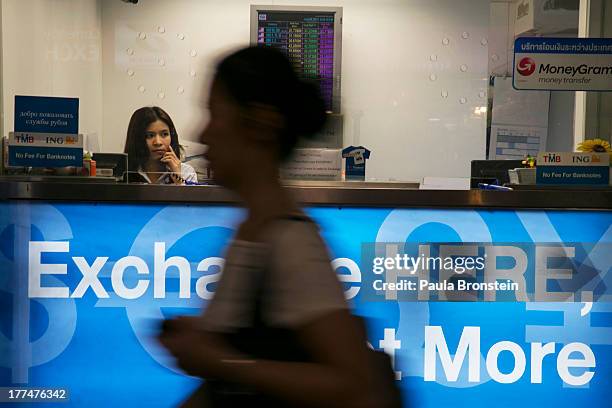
x=307 y=38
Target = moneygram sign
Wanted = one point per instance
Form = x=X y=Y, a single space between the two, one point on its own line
x=563 y=64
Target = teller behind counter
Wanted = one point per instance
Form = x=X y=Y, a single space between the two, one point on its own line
x=153 y=149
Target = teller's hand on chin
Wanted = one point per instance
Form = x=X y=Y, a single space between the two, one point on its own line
x=172 y=161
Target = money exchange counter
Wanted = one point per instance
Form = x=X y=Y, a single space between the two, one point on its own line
x=88 y=270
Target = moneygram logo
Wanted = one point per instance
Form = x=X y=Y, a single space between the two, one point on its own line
x=526 y=66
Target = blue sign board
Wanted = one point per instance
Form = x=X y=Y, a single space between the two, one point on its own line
x=45 y=114
x=588 y=168
x=97 y=340
x=45 y=150
x=587 y=175
x=46 y=133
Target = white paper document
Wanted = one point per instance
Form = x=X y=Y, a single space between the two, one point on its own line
x=519 y=123
x=515 y=142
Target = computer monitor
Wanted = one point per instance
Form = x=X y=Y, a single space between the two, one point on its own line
x=492 y=171
x=111 y=164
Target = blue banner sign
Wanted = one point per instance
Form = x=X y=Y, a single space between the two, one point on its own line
x=46 y=132
x=83 y=287
x=573 y=168
x=45 y=150
x=45 y=114
x=588 y=175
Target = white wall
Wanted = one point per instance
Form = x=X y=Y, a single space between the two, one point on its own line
x=395 y=71
x=53 y=48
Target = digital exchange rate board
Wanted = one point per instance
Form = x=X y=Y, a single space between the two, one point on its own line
x=308 y=40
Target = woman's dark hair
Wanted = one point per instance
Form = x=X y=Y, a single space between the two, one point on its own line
x=265 y=75
x=135 y=142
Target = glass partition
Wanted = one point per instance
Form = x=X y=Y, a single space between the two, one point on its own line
x=424 y=88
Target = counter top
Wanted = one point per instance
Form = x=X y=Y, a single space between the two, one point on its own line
x=354 y=194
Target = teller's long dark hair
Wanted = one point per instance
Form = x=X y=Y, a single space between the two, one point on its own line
x=135 y=142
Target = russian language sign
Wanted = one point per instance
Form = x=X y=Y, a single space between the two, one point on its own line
x=46 y=114
x=573 y=168
x=84 y=286
x=46 y=132
x=563 y=64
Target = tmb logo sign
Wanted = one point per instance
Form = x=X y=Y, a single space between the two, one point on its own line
x=526 y=66
x=24 y=138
